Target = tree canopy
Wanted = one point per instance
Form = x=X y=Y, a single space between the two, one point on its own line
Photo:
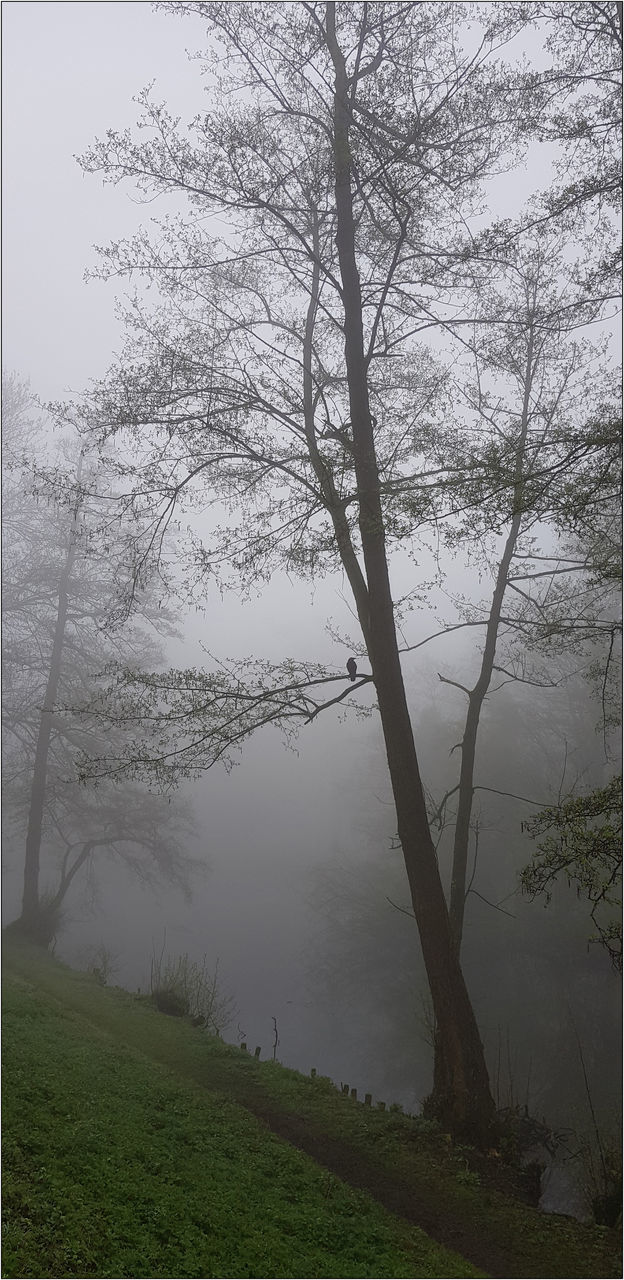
x=343 y=361
x=582 y=843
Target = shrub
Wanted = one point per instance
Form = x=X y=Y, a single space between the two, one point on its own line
x=182 y=987
x=102 y=964
x=168 y=1000
x=602 y=1163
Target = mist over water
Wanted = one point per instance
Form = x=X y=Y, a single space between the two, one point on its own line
x=300 y=895
x=303 y=898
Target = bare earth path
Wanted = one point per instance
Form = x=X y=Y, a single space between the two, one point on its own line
x=481 y=1244
x=499 y=1239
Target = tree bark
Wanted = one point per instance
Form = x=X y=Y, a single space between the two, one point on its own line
x=461 y=1093
x=331 y=498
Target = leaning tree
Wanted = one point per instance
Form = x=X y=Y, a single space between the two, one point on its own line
x=282 y=384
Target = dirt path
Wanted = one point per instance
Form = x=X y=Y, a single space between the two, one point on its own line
x=486 y=1239
x=482 y=1240
x=406 y=1200
x=401 y=1199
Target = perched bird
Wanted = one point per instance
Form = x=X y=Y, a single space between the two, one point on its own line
x=352 y=668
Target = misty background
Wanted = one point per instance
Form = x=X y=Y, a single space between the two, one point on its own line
x=303 y=898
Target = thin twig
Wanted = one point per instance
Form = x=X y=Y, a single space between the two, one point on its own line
x=492 y=904
x=402 y=909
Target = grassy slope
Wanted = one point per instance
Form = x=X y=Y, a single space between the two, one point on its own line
x=129 y=1151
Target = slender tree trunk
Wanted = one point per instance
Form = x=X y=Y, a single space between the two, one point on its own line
x=31 y=920
x=477 y=695
x=323 y=473
x=68 y=874
x=461 y=1093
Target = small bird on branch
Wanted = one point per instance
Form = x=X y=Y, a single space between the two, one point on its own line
x=352 y=668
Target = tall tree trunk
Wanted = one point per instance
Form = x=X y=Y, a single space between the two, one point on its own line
x=32 y=918
x=323 y=473
x=461 y=1092
x=476 y=696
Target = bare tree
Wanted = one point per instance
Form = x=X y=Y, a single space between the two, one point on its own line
x=282 y=383
x=59 y=591
x=534 y=384
x=577 y=101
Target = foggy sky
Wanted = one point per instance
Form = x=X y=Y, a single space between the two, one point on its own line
x=70 y=71
x=69 y=74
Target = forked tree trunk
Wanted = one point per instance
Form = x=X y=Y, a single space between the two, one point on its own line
x=461 y=1092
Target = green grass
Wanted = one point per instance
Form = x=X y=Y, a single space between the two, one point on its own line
x=134 y=1146
x=115 y=1167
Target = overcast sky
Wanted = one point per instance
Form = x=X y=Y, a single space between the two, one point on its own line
x=70 y=71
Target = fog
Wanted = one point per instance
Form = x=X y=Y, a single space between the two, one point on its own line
x=303 y=899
